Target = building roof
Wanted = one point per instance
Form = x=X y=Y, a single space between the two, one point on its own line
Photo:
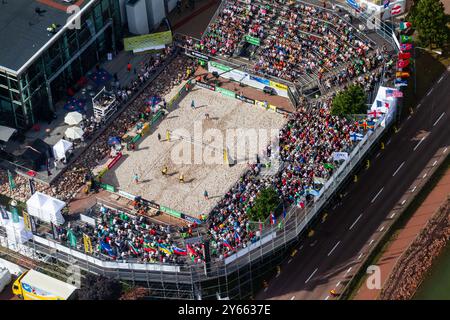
x=24 y=32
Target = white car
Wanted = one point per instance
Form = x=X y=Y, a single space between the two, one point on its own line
x=5 y=278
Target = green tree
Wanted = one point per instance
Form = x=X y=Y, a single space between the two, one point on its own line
x=100 y=288
x=429 y=19
x=266 y=202
x=349 y=101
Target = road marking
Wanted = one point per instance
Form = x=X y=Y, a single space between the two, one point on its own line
x=398 y=169
x=382 y=228
x=403 y=202
x=419 y=105
x=290 y=260
x=389 y=141
x=440 y=79
x=355 y=222
x=293 y=297
x=445 y=150
x=265 y=289
x=429 y=92
x=378 y=154
x=360 y=256
x=373 y=200
x=409 y=117
x=421 y=140
x=327 y=297
x=434 y=163
x=337 y=284
x=312 y=274
x=329 y=253
x=424 y=176
x=349 y=269
x=443 y=113
x=278 y=274
x=371 y=241
x=414 y=189
x=393 y=215
x=300 y=247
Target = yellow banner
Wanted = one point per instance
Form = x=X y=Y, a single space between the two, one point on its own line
x=279 y=86
x=148 y=41
x=26 y=221
x=87 y=243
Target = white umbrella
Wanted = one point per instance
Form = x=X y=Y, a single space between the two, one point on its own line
x=73 y=118
x=74 y=133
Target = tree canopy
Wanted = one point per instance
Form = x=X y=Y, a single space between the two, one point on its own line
x=100 y=288
x=265 y=203
x=350 y=101
x=429 y=19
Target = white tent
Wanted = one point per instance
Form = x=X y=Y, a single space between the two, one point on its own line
x=73 y=118
x=46 y=208
x=15 y=231
x=61 y=148
x=74 y=133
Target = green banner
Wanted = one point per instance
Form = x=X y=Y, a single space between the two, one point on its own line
x=12 y=184
x=15 y=214
x=136 y=138
x=253 y=40
x=107 y=187
x=170 y=211
x=226 y=92
x=220 y=66
x=72 y=238
x=157 y=116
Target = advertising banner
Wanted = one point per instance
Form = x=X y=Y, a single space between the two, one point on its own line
x=226 y=92
x=253 y=40
x=260 y=80
x=196 y=54
x=206 y=85
x=147 y=42
x=170 y=211
x=278 y=86
x=245 y=99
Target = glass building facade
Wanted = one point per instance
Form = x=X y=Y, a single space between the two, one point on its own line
x=30 y=96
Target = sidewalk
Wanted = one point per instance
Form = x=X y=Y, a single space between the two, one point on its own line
x=407 y=235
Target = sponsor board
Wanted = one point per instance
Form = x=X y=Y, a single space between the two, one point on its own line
x=226 y=92
x=206 y=85
x=126 y=195
x=196 y=54
x=252 y=40
x=278 y=86
x=245 y=99
x=260 y=80
x=170 y=211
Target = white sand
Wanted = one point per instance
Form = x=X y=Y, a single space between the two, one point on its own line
x=152 y=155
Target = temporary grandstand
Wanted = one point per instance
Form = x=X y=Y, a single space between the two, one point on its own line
x=309 y=51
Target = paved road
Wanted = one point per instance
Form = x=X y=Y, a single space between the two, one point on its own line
x=323 y=262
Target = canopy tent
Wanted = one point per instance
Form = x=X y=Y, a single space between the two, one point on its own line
x=73 y=118
x=16 y=232
x=61 y=149
x=6 y=133
x=46 y=208
x=74 y=133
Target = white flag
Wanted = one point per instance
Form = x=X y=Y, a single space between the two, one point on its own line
x=340 y=156
x=319 y=180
